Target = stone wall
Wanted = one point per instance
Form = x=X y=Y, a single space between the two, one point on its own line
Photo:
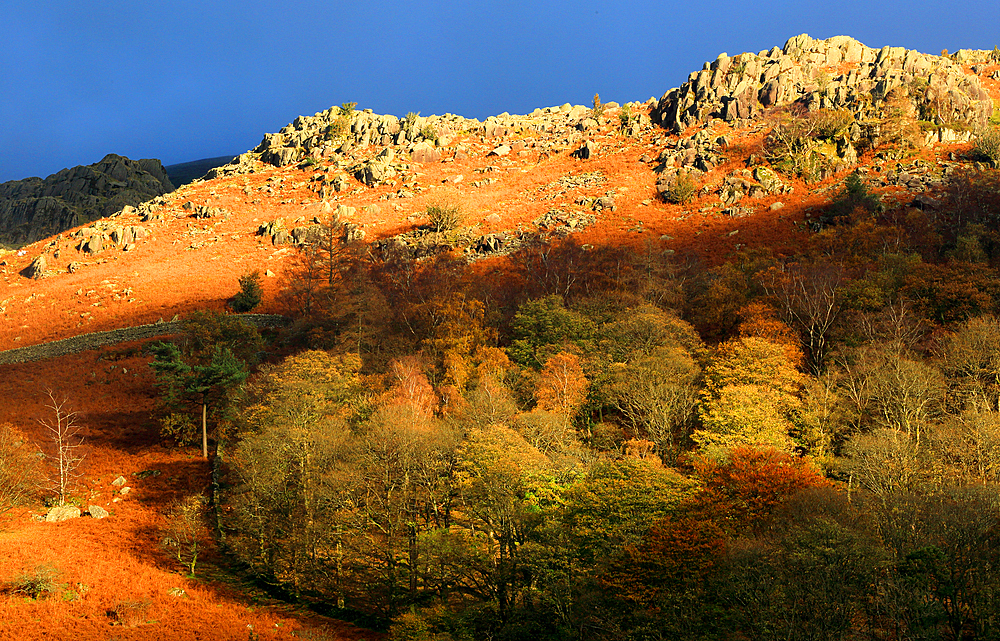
x=95 y=340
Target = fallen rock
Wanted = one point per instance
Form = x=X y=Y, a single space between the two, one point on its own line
x=97 y=512
x=588 y=149
x=62 y=513
x=36 y=269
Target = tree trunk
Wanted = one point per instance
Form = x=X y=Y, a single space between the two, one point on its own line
x=204 y=430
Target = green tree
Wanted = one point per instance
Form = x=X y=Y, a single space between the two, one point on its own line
x=201 y=384
x=250 y=293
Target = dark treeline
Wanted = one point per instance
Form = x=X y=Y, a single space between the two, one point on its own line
x=599 y=443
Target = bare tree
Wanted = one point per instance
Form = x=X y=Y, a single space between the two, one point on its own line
x=65 y=458
x=810 y=300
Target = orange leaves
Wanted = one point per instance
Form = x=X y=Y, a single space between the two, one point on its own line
x=412 y=387
x=563 y=385
x=753 y=483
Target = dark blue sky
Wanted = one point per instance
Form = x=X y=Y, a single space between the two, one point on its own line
x=181 y=80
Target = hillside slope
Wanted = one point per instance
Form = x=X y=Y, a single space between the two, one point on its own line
x=597 y=177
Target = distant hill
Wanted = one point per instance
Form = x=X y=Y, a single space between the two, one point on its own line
x=35 y=208
x=185 y=172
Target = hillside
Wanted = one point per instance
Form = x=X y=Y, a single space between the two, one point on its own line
x=185 y=172
x=728 y=169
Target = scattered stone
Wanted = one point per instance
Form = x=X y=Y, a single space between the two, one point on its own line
x=62 y=513
x=118 y=482
x=588 y=149
x=776 y=206
x=502 y=150
x=36 y=270
x=97 y=512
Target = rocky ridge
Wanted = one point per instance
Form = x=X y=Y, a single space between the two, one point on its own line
x=836 y=73
x=36 y=208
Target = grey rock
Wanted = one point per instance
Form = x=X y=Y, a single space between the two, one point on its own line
x=36 y=269
x=94 y=244
x=97 y=512
x=34 y=208
x=425 y=153
x=353 y=233
x=62 y=513
x=588 y=149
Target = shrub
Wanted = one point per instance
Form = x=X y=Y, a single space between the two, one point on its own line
x=347 y=108
x=338 y=128
x=598 y=109
x=445 y=216
x=988 y=144
x=625 y=116
x=180 y=428
x=409 y=123
x=37 y=584
x=250 y=293
x=19 y=470
x=429 y=133
x=682 y=191
x=129 y=614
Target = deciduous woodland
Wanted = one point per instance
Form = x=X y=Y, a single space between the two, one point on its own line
x=609 y=443
x=746 y=425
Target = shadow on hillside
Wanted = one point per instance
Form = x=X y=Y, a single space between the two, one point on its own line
x=129 y=431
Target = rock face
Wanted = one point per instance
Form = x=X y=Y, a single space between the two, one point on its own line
x=34 y=208
x=837 y=73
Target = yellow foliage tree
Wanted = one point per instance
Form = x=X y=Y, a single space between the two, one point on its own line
x=751 y=397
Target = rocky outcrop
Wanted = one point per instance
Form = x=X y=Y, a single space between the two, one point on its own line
x=836 y=73
x=34 y=208
x=354 y=141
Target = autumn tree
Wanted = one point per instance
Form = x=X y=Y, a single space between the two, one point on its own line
x=496 y=470
x=287 y=490
x=658 y=394
x=970 y=358
x=185 y=532
x=562 y=386
x=750 y=398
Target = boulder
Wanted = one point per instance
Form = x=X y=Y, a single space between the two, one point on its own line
x=94 y=244
x=36 y=269
x=588 y=149
x=425 y=153
x=97 y=512
x=353 y=233
x=62 y=513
